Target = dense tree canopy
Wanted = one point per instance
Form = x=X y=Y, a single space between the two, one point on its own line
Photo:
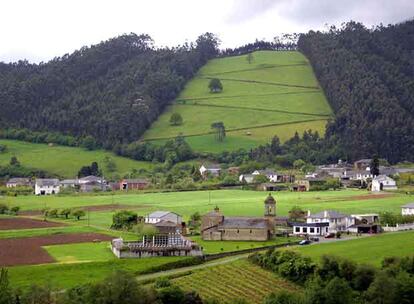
x=368 y=77
x=101 y=95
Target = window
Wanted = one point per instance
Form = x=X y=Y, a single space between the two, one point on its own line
x=311 y=230
x=250 y=230
x=305 y=230
x=237 y=230
x=317 y=230
x=297 y=229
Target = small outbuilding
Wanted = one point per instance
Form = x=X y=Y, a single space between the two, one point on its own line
x=407 y=209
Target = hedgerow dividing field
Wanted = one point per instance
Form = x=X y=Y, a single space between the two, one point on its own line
x=235 y=280
x=276 y=94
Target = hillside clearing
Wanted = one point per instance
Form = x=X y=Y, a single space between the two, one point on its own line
x=275 y=95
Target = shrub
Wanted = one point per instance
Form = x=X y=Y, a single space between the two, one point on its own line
x=124 y=219
x=65 y=212
x=162 y=282
x=15 y=209
x=77 y=213
x=3 y=209
x=53 y=213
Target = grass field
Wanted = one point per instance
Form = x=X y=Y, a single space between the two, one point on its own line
x=210 y=247
x=277 y=94
x=371 y=250
x=78 y=263
x=64 y=161
x=66 y=275
x=231 y=202
x=236 y=280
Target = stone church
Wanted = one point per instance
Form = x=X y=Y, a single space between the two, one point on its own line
x=217 y=227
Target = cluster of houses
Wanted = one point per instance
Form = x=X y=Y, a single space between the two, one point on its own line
x=49 y=186
x=357 y=174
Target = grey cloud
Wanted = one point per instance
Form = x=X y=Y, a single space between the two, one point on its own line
x=243 y=10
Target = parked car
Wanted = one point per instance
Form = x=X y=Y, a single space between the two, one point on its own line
x=304 y=242
x=330 y=235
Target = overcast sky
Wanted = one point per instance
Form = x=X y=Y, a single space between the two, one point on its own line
x=40 y=30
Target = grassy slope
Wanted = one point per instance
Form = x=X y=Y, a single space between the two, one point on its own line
x=236 y=280
x=284 y=91
x=63 y=161
x=370 y=250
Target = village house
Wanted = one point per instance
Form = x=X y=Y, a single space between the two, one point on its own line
x=215 y=226
x=246 y=178
x=407 y=209
x=69 y=183
x=133 y=184
x=19 y=182
x=365 y=223
x=167 y=216
x=45 y=186
x=333 y=222
x=210 y=170
x=383 y=182
x=92 y=183
x=270 y=174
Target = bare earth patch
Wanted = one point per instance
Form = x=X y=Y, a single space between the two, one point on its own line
x=27 y=251
x=25 y=223
x=361 y=197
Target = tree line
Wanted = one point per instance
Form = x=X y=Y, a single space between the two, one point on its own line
x=101 y=95
x=367 y=76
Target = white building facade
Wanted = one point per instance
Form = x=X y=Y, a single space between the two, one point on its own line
x=407 y=209
x=47 y=186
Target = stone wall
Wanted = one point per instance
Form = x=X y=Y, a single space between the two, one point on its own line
x=399 y=227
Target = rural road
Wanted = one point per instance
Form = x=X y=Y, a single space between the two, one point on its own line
x=221 y=261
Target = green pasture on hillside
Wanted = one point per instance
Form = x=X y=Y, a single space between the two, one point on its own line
x=369 y=250
x=64 y=161
x=277 y=94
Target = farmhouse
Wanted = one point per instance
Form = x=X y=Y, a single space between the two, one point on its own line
x=92 y=183
x=316 y=229
x=133 y=184
x=365 y=223
x=166 y=216
x=19 y=182
x=47 y=186
x=69 y=183
x=383 y=182
x=213 y=170
x=246 y=178
x=215 y=226
x=407 y=209
x=270 y=174
x=337 y=221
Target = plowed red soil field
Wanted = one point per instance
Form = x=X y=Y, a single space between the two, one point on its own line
x=25 y=223
x=26 y=251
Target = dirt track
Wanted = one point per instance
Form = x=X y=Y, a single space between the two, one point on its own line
x=27 y=251
x=25 y=223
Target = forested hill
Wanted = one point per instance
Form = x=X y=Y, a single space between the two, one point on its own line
x=368 y=78
x=108 y=93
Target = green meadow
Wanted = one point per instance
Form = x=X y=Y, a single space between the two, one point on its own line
x=230 y=202
x=276 y=94
x=369 y=250
x=64 y=161
x=90 y=262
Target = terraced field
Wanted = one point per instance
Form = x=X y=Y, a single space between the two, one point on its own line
x=277 y=94
x=236 y=280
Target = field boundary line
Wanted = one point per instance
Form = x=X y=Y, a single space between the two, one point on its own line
x=266 y=83
x=272 y=66
x=243 y=96
x=236 y=129
x=254 y=109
